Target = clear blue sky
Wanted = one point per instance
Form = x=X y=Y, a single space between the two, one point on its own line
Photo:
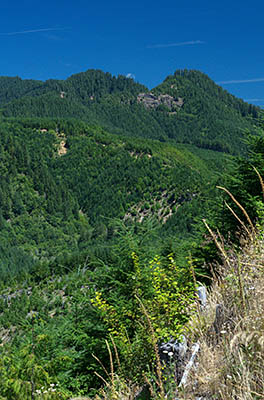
x=148 y=39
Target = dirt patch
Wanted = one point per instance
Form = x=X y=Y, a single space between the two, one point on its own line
x=62 y=148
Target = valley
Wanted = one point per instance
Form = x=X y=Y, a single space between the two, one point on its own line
x=103 y=188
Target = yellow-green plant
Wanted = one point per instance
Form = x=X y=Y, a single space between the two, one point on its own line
x=173 y=296
x=167 y=293
x=115 y=326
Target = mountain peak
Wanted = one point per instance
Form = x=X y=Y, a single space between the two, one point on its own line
x=187 y=107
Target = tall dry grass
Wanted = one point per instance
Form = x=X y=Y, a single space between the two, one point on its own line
x=231 y=359
x=230 y=330
x=230 y=364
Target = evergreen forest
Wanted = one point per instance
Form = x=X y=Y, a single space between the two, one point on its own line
x=104 y=185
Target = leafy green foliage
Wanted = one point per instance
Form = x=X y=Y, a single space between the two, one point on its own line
x=246 y=186
x=69 y=224
x=167 y=304
x=99 y=202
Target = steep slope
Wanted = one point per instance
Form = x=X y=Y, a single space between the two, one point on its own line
x=14 y=88
x=187 y=107
x=94 y=215
x=208 y=116
x=63 y=182
x=83 y=87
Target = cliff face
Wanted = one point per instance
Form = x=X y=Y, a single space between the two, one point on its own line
x=149 y=100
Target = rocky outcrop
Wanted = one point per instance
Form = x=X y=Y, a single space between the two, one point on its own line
x=149 y=100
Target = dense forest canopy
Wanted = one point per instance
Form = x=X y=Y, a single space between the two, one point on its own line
x=206 y=115
x=62 y=184
x=103 y=186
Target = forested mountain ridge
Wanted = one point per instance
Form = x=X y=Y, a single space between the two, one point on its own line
x=82 y=86
x=76 y=204
x=103 y=187
x=200 y=112
x=63 y=181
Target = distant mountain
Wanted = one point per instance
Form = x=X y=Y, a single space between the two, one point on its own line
x=188 y=107
x=103 y=188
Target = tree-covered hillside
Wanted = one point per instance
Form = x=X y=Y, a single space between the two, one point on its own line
x=187 y=107
x=62 y=183
x=103 y=187
x=80 y=210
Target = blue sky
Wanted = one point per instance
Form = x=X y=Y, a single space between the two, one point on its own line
x=148 y=39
